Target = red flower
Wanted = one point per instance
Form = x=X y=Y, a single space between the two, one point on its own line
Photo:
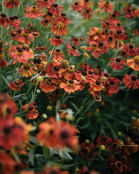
x=108 y=7
x=131 y=80
x=104 y=140
x=72 y=50
x=117 y=63
x=96 y=85
x=129 y=12
x=87 y=150
x=16 y=85
x=3 y=19
x=94 y=49
x=13 y=21
x=70 y=86
x=75 y=40
x=53 y=70
x=31 y=111
x=84 y=171
x=85 y=3
x=76 y=6
x=51 y=170
x=113 y=85
x=87 y=13
x=49 y=85
x=33 y=12
x=20 y=55
x=56 y=40
x=25 y=37
x=119 y=34
x=7 y=163
x=129 y=49
x=11 y=3
x=55 y=9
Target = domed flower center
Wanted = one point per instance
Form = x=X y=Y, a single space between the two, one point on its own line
x=19 y=51
x=84 y=73
x=57 y=37
x=35 y=34
x=63 y=14
x=55 y=5
x=118 y=164
x=87 y=11
x=27 y=66
x=90 y=72
x=113 y=15
x=37 y=60
x=58 y=51
x=3 y=15
x=12 y=19
x=56 y=68
x=15 y=17
x=34 y=9
x=64 y=64
x=49 y=13
x=129 y=10
x=45 y=1
x=25 y=47
x=93 y=47
x=136 y=59
x=76 y=3
x=101 y=44
x=98 y=82
x=112 y=82
x=107 y=23
x=124 y=158
x=7 y=130
x=48 y=81
x=76 y=39
x=106 y=74
x=1 y=56
x=110 y=38
x=119 y=32
x=99 y=32
x=60 y=25
x=16 y=82
x=30 y=108
x=64 y=134
x=11 y=0
x=70 y=83
x=131 y=46
x=9 y=110
x=85 y=150
x=106 y=3
x=114 y=146
x=118 y=59
x=134 y=78
x=26 y=33
x=86 y=0
x=46 y=21
x=73 y=47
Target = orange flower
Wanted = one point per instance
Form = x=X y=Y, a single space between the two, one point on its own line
x=134 y=63
x=70 y=86
x=31 y=111
x=137 y=12
x=85 y=3
x=20 y=55
x=33 y=12
x=26 y=70
x=25 y=37
x=45 y=3
x=96 y=84
x=59 y=28
x=3 y=19
x=53 y=170
x=72 y=50
x=117 y=63
x=56 y=40
x=48 y=85
x=58 y=55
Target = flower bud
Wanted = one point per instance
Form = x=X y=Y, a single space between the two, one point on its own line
x=44 y=116
x=102 y=147
x=83 y=47
x=39 y=79
x=86 y=55
x=49 y=107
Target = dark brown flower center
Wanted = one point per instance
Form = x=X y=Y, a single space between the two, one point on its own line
x=56 y=68
x=58 y=50
x=128 y=10
x=37 y=60
x=98 y=82
x=112 y=82
x=73 y=47
x=118 y=59
x=134 y=78
x=71 y=81
x=76 y=3
x=131 y=46
x=64 y=134
x=27 y=66
x=19 y=49
x=119 y=32
x=84 y=73
x=49 y=13
x=114 y=15
x=63 y=14
x=3 y=15
x=76 y=39
x=55 y=5
x=30 y=108
x=101 y=44
x=57 y=37
x=12 y=18
x=7 y=130
x=16 y=17
x=90 y=72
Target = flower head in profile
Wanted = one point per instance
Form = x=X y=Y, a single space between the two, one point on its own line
x=128 y=12
x=11 y=3
x=134 y=63
x=31 y=111
x=48 y=85
x=33 y=12
x=117 y=63
x=3 y=62
x=56 y=40
x=53 y=170
x=3 y=19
